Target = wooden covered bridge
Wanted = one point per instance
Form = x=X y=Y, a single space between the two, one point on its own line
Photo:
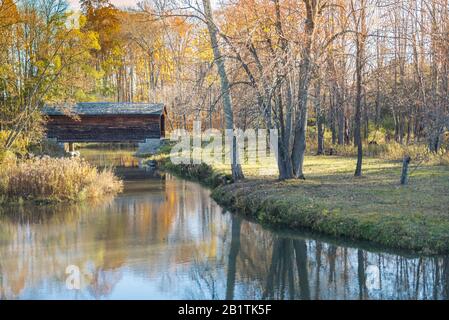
x=106 y=122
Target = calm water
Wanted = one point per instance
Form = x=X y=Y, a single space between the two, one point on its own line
x=165 y=238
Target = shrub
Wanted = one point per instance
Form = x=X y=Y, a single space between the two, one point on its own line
x=387 y=151
x=19 y=146
x=55 y=179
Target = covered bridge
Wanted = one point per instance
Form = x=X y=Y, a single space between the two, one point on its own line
x=106 y=122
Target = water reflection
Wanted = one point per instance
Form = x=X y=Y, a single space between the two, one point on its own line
x=164 y=238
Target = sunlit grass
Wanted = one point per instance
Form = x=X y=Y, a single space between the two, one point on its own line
x=55 y=179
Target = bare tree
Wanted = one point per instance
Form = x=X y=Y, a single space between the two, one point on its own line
x=359 y=17
x=237 y=173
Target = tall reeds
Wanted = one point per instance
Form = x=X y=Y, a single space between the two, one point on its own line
x=55 y=179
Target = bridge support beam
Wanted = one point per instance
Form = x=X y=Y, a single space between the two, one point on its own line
x=69 y=147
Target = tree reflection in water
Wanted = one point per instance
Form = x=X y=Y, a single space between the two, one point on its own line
x=298 y=267
x=236 y=224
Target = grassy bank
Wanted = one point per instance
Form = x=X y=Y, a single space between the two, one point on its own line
x=209 y=176
x=46 y=179
x=331 y=201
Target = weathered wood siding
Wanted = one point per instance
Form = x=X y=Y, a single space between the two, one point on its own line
x=105 y=128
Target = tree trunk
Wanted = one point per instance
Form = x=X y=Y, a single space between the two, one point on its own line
x=341 y=120
x=319 y=119
x=237 y=173
x=347 y=131
x=332 y=115
x=299 y=142
x=360 y=48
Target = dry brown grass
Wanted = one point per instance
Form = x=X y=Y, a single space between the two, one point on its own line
x=55 y=179
x=397 y=151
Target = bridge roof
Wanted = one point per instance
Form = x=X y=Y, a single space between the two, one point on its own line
x=106 y=108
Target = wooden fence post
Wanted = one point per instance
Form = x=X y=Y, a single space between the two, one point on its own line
x=404 y=175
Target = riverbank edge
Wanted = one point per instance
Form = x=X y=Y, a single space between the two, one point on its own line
x=247 y=198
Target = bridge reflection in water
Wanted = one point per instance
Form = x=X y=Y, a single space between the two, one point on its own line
x=165 y=238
